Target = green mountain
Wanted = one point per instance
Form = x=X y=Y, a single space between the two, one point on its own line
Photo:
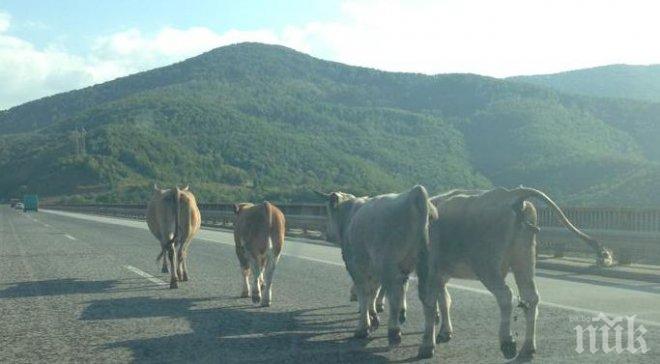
x=617 y=81
x=254 y=121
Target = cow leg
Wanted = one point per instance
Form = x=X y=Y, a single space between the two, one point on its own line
x=183 y=276
x=429 y=289
x=271 y=262
x=362 y=330
x=523 y=266
x=394 y=287
x=444 y=302
x=404 y=305
x=367 y=288
x=164 y=268
x=494 y=282
x=379 y=300
x=255 y=268
x=173 y=266
x=246 y=282
x=353 y=297
x=373 y=315
x=184 y=264
x=183 y=251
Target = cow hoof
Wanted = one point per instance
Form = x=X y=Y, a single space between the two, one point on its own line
x=394 y=337
x=380 y=308
x=244 y=294
x=256 y=299
x=525 y=355
x=426 y=352
x=361 y=334
x=508 y=349
x=375 y=321
x=164 y=270
x=174 y=284
x=185 y=277
x=265 y=304
x=443 y=337
x=353 y=298
x=402 y=316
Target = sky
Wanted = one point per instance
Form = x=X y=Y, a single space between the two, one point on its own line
x=47 y=47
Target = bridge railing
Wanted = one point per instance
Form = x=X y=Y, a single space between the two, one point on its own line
x=632 y=234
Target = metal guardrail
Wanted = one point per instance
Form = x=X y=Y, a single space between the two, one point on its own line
x=632 y=234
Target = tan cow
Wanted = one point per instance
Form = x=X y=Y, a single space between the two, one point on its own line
x=259 y=238
x=173 y=218
x=483 y=235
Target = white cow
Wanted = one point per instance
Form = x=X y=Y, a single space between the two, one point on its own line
x=381 y=239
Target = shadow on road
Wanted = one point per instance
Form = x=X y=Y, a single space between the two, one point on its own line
x=238 y=333
x=53 y=287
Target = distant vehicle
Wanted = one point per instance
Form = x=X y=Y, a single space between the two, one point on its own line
x=19 y=206
x=13 y=202
x=30 y=203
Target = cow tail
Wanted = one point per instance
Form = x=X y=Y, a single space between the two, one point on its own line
x=177 y=213
x=423 y=205
x=269 y=214
x=523 y=193
x=421 y=201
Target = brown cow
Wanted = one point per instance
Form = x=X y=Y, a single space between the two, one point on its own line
x=259 y=237
x=173 y=218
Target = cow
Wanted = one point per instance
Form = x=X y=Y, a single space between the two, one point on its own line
x=259 y=239
x=381 y=238
x=483 y=235
x=173 y=218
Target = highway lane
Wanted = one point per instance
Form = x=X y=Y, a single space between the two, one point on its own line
x=87 y=288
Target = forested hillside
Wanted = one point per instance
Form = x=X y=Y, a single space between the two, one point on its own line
x=618 y=81
x=253 y=121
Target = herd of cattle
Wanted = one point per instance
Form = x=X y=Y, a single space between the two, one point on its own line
x=476 y=234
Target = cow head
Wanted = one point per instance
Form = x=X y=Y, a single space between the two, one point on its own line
x=238 y=207
x=339 y=206
x=185 y=188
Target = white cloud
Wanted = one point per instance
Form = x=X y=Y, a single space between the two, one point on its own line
x=27 y=73
x=5 y=20
x=131 y=51
x=497 y=38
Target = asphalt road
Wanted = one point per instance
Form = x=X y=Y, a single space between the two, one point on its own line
x=77 y=288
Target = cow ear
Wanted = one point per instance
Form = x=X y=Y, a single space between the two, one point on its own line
x=186 y=188
x=156 y=188
x=235 y=206
x=334 y=199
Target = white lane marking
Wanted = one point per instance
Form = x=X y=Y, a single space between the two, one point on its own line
x=145 y=275
x=315 y=260
x=70 y=237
